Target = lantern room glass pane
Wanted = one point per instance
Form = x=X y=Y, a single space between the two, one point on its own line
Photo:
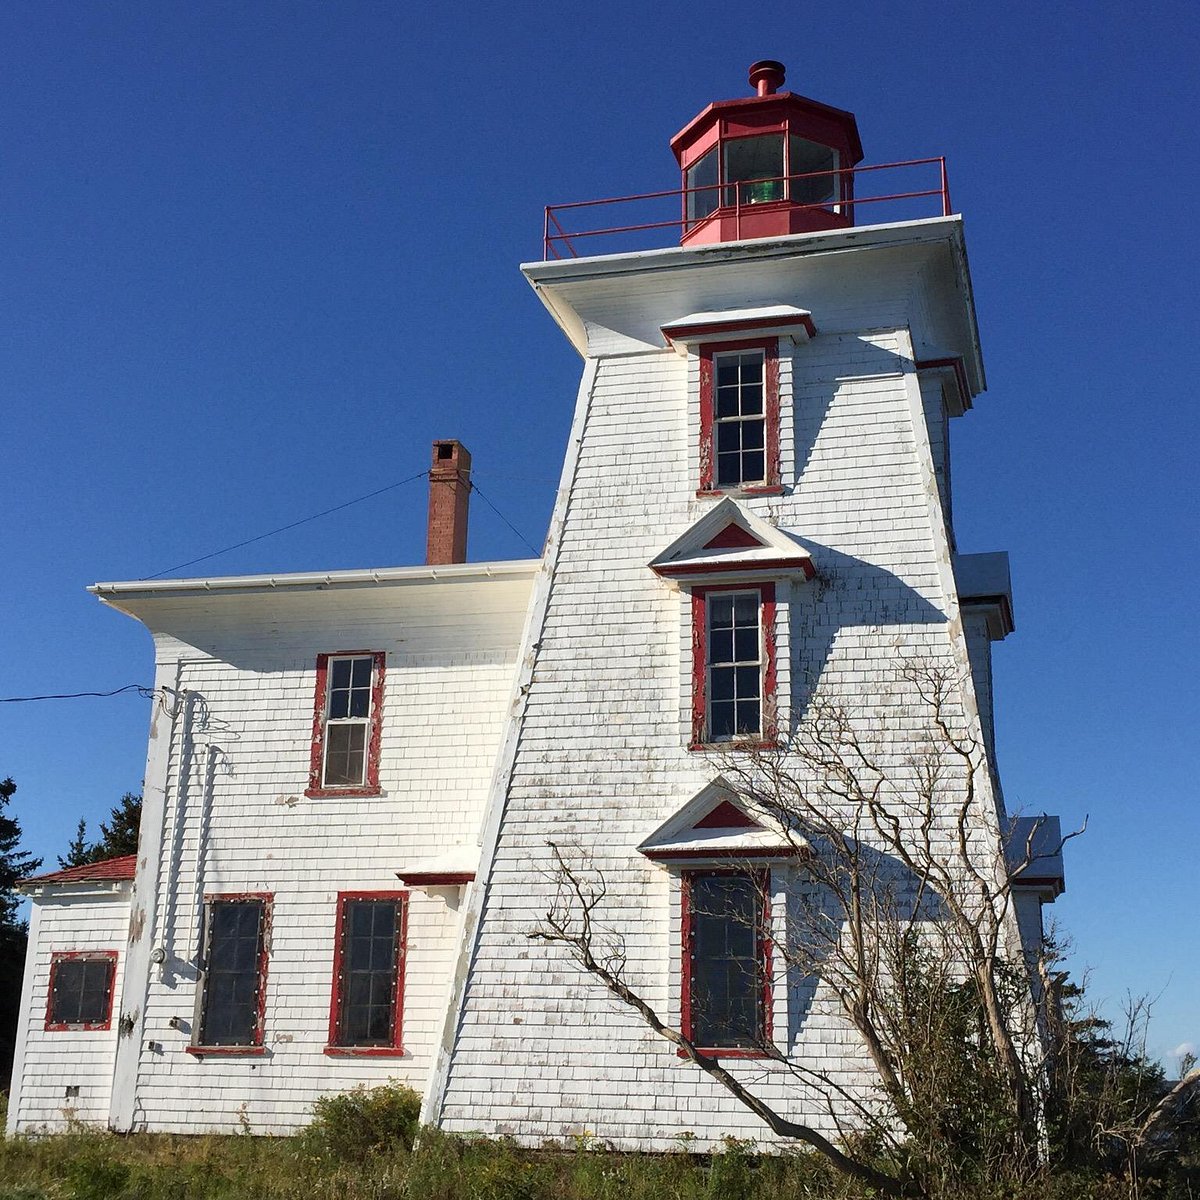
x=754 y=166
x=809 y=157
x=702 y=175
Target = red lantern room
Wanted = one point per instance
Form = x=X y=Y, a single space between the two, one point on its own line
x=769 y=164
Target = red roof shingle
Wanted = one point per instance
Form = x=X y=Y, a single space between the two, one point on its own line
x=105 y=871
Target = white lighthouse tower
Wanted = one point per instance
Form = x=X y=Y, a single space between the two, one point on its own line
x=753 y=526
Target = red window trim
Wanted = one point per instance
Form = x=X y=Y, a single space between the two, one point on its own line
x=766 y=616
x=762 y=880
x=772 y=484
x=316 y=766
x=203 y=1049
x=397 y=1047
x=58 y=956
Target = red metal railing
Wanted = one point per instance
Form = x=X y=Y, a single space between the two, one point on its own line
x=736 y=198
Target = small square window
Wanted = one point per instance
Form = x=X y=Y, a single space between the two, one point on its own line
x=739 y=417
x=81 y=990
x=347 y=724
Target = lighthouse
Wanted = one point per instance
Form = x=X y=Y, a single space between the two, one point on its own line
x=753 y=529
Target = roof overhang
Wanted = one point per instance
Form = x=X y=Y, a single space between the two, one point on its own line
x=985 y=586
x=455 y=867
x=1033 y=850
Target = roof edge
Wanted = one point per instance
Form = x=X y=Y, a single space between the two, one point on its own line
x=309 y=580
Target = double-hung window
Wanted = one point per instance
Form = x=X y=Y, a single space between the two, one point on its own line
x=733 y=648
x=347 y=723
x=739 y=417
x=726 y=992
x=234 y=973
x=368 y=974
x=81 y=989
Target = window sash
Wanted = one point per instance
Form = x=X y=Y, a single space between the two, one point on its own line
x=347 y=708
x=727 y=960
x=734 y=662
x=740 y=417
x=81 y=990
x=368 y=971
x=349 y=689
x=235 y=969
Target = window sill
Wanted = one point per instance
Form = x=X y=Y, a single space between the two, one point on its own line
x=80 y=1027
x=364 y=1051
x=227 y=1051
x=728 y=1052
x=735 y=745
x=348 y=793
x=754 y=489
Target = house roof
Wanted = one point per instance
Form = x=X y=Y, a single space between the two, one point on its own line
x=108 y=870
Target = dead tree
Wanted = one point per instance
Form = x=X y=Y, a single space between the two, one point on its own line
x=907 y=916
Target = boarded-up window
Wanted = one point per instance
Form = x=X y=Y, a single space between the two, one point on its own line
x=235 y=971
x=726 y=959
x=81 y=990
x=368 y=972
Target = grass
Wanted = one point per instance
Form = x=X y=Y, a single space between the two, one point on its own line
x=360 y=1147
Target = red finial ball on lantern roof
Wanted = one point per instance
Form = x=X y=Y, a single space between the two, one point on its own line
x=768 y=164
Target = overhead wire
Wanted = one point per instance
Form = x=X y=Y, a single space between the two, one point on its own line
x=140 y=688
x=284 y=528
x=483 y=497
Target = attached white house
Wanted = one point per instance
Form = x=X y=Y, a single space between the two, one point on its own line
x=353 y=778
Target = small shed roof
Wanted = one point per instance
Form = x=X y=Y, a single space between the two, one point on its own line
x=107 y=870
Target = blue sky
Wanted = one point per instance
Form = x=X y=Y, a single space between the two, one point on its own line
x=254 y=258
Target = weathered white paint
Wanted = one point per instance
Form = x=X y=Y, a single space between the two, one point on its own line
x=526 y=703
x=540 y=1050
x=74 y=917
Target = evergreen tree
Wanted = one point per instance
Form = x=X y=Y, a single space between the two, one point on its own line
x=78 y=851
x=14 y=864
x=118 y=835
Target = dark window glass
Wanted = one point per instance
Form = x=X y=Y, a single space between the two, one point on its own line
x=754 y=166
x=345 y=754
x=370 y=958
x=233 y=974
x=702 y=175
x=726 y=954
x=808 y=157
x=82 y=991
x=734 y=665
x=347 y=721
x=739 y=423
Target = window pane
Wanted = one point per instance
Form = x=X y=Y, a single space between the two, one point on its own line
x=726 y=952
x=232 y=979
x=753 y=467
x=369 y=971
x=755 y=165
x=808 y=157
x=339 y=673
x=722 y=723
x=702 y=174
x=345 y=754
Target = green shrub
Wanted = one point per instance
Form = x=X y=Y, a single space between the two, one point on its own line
x=362 y=1123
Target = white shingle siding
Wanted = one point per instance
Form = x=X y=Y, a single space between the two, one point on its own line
x=543 y=1049
x=577 y=734
x=66 y=919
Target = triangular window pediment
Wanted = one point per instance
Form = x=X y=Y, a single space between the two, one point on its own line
x=730 y=540
x=714 y=823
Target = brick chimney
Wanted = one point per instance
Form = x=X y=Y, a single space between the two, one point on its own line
x=449 y=493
